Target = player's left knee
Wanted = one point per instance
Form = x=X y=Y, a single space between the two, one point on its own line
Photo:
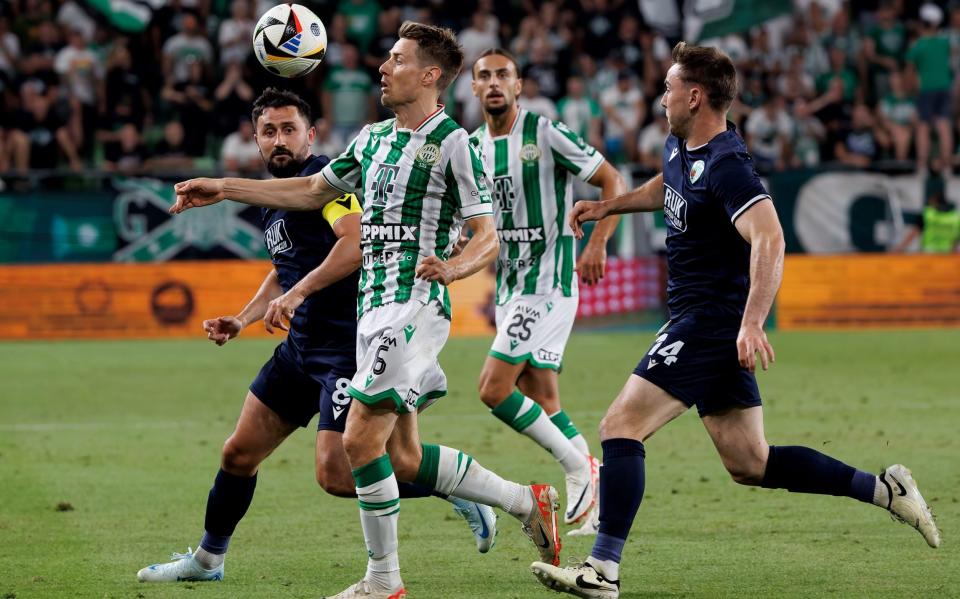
x=334 y=482
x=747 y=472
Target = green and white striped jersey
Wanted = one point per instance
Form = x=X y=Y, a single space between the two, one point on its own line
x=531 y=168
x=418 y=187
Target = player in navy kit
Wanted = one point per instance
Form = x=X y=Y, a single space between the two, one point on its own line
x=313 y=286
x=725 y=260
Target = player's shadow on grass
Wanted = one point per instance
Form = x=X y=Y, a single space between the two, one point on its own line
x=648 y=595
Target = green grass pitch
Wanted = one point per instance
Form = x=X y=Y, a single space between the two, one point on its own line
x=125 y=438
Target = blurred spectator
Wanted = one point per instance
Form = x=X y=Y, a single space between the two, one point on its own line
x=81 y=73
x=379 y=50
x=862 y=143
x=898 y=116
x=809 y=133
x=233 y=99
x=844 y=38
x=652 y=138
x=45 y=129
x=346 y=97
x=479 y=36
x=623 y=111
x=939 y=223
x=71 y=16
x=127 y=155
x=768 y=135
x=37 y=62
x=337 y=41
x=581 y=113
x=361 y=16
x=240 y=153
x=839 y=70
x=531 y=99
x=184 y=49
x=9 y=51
x=235 y=33
x=327 y=142
x=883 y=47
x=795 y=82
x=124 y=98
x=171 y=154
x=928 y=56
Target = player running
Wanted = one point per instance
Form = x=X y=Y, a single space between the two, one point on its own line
x=316 y=256
x=531 y=161
x=421 y=180
x=725 y=260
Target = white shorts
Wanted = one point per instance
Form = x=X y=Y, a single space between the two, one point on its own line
x=534 y=329
x=397 y=349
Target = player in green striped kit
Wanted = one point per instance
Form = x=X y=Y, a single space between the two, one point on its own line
x=532 y=161
x=420 y=180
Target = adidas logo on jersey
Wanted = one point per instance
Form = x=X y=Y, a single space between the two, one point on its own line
x=523 y=235
x=388 y=232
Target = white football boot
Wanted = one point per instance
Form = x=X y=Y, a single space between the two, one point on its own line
x=591 y=525
x=907 y=505
x=581 y=580
x=362 y=590
x=581 y=492
x=481 y=519
x=183 y=568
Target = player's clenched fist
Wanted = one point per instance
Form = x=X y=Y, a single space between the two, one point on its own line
x=222 y=329
x=196 y=193
x=584 y=211
x=435 y=269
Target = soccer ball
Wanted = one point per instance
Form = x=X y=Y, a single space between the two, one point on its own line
x=289 y=40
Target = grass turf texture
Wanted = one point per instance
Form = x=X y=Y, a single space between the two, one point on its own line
x=124 y=437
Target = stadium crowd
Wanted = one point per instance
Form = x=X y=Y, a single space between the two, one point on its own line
x=858 y=84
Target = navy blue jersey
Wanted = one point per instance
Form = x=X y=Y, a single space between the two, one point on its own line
x=324 y=327
x=708 y=262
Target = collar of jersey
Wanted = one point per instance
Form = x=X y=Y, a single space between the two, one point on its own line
x=430 y=117
x=730 y=127
x=513 y=127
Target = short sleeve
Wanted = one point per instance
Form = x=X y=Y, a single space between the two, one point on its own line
x=733 y=181
x=340 y=207
x=466 y=179
x=343 y=172
x=571 y=152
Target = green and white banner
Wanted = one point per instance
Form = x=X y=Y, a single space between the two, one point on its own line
x=704 y=19
x=130 y=16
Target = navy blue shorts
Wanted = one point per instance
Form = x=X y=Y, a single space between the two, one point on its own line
x=700 y=372
x=933 y=105
x=296 y=390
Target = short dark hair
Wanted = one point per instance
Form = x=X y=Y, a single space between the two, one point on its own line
x=436 y=46
x=498 y=52
x=273 y=97
x=709 y=68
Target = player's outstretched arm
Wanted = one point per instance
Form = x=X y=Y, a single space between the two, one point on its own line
x=760 y=227
x=343 y=259
x=592 y=262
x=224 y=328
x=479 y=252
x=294 y=193
x=646 y=198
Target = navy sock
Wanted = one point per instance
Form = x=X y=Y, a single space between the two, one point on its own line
x=805 y=470
x=621 y=491
x=227 y=503
x=414 y=490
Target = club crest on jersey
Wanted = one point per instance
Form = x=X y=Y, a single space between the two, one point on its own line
x=674 y=209
x=276 y=238
x=529 y=153
x=696 y=170
x=428 y=155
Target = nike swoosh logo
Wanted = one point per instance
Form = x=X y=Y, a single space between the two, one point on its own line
x=576 y=506
x=486 y=531
x=543 y=535
x=900 y=490
x=583 y=584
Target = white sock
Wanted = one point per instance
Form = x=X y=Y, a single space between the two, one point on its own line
x=455 y=473
x=207 y=560
x=527 y=418
x=608 y=568
x=581 y=444
x=379 y=500
x=881 y=494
